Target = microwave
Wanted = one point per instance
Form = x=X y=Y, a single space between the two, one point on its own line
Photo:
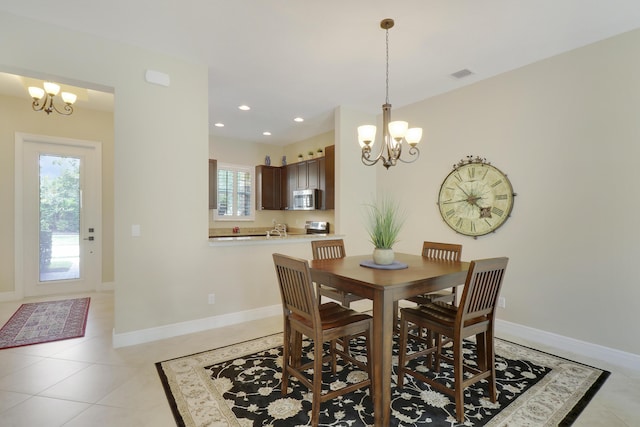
x=306 y=200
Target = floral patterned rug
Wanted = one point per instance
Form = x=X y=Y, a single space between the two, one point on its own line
x=239 y=385
x=40 y=322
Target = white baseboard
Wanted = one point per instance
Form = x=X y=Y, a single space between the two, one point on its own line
x=586 y=349
x=536 y=336
x=199 y=325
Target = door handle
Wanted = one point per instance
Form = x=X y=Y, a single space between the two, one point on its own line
x=88 y=238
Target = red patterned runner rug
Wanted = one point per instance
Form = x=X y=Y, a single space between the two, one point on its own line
x=39 y=322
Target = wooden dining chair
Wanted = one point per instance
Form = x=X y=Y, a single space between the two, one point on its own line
x=474 y=316
x=441 y=251
x=320 y=323
x=331 y=249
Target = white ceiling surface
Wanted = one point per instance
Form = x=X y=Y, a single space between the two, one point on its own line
x=289 y=58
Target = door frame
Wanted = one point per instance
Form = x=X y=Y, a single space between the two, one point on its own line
x=21 y=138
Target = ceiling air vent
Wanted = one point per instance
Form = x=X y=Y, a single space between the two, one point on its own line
x=461 y=74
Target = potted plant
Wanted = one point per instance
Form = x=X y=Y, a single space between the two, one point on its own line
x=310 y=154
x=384 y=222
x=320 y=152
x=300 y=157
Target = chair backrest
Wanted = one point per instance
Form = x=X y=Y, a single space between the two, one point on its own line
x=296 y=288
x=328 y=249
x=444 y=251
x=481 y=289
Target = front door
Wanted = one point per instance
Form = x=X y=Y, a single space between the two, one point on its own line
x=61 y=214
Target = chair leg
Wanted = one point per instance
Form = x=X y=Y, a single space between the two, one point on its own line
x=493 y=394
x=369 y=364
x=332 y=349
x=396 y=306
x=286 y=348
x=402 y=350
x=317 y=383
x=438 y=344
x=458 y=375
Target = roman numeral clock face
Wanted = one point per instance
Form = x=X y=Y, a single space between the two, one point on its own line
x=475 y=198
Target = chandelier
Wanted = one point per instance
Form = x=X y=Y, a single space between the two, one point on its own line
x=43 y=99
x=393 y=133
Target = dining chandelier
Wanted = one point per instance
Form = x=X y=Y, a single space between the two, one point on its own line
x=43 y=99
x=393 y=133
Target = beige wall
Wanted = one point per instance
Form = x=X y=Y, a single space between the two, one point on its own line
x=567 y=133
x=16 y=115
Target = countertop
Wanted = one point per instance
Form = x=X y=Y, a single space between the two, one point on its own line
x=291 y=238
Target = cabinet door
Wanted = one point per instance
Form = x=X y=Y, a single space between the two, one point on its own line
x=302 y=182
x=313 y=174
x=213 y=184
x=268 y=186
x=292 y=183
x=329 y=177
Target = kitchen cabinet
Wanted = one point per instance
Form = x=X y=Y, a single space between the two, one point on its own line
x=213 y=184
x=311 y=174
x=269 y=185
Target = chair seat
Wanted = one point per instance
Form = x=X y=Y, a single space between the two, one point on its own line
x=333 y=315
x=445 y=296
x=440 y=313
x=345 y=298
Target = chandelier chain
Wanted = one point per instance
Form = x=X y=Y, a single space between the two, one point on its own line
x=387 y=81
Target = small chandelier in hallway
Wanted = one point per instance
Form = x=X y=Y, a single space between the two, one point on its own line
x=43 y=99
x=394 y=133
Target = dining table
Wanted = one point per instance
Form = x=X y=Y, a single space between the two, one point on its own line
x=410 y=275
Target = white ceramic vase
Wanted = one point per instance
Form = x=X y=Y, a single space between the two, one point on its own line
x=383 y=256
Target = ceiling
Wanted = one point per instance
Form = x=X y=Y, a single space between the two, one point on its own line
x=303 y=58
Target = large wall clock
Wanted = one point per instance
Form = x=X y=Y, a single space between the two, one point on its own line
x=476 y=198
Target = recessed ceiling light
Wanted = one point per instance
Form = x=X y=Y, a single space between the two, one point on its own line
x=244 y=107
x=219 y=125
x=298 y=119
x=266 y=133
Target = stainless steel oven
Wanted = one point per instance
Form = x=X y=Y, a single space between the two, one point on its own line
x=305 y=200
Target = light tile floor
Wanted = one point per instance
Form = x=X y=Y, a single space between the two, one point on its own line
x=85 y=382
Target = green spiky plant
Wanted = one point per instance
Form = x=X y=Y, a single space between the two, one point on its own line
x=384 y=222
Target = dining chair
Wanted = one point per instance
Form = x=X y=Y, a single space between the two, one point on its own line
x=331 y=249
x=474 y=316
x=303 y=316
x=441 y=251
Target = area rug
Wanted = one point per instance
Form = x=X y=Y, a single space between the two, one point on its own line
x=239 y=386
x=40 y=322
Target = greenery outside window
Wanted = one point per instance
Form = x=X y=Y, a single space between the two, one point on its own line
x=235 y=193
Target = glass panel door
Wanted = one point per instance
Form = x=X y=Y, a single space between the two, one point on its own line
x=60 y=200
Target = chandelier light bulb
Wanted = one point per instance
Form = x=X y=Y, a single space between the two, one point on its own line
x=397 y=129
x=366 y=134
x=69 y=98
x=413 y=136
x=36 y=92
x=51 y=88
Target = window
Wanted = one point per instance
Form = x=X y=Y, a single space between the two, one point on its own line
x=235 y=193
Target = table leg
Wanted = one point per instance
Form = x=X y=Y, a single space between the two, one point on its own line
x=383 y=321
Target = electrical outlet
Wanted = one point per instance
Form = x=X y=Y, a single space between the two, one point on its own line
x=212 y=298
x=502 y=302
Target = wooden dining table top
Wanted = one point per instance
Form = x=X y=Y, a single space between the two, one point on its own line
x=422 y=274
